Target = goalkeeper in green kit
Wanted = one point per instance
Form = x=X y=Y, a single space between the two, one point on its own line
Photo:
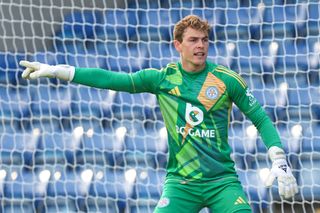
x=195 y=98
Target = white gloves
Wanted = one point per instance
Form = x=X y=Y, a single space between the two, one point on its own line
x=287 y=184
x=36 y=70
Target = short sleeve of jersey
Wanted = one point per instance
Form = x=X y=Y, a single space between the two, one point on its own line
x=147 y=80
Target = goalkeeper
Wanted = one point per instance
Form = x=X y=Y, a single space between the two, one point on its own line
x=195 y=98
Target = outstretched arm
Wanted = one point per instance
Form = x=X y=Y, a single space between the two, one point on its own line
x=247 y=103
x=141 y=81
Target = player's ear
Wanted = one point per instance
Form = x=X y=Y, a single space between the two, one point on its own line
x=177 y=45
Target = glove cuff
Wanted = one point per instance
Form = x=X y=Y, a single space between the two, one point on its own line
x=276 y=153
x=64 y=72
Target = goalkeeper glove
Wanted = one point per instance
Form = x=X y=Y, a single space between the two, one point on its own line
x=36 y=70
x=287 y=184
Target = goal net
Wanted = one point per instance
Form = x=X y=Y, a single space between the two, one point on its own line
x=70 y=148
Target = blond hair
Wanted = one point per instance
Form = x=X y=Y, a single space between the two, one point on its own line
x=190 y=21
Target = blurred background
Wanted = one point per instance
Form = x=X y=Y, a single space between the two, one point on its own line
x=71 y=148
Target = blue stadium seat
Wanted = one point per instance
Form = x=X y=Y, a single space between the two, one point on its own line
x=46 y=125
x=315 y=104
x=239 y=141
x=220 y=54
x=311 y=139
x=51 y=101
x=313 y=47
x=18 y=147
x=128 y=57
x=314 y=93
x=254 y=82
x=186 y=4
x=290 y=144
x=106 y=102
x=3 y=59
x=119 y=24
x=154 y=25
x=299 y=97
x=313 y=17
x=58 y=148
x=48 y=57
x=9 y=67
x=192 y=11
x=23 y=206
x=145 y=146
x=160 y=54
x=85 y=101
x=278 y=22
x=248 y=57
x=95 y=57
x=148 y=187
x=300 y=102
x=5 y=76
x=73 y=50
x=111 y=188
x=243 y=148
x=104 y=147
x=236 y=23
x=214 y=16
x=83 y=54
x=23 y=190
x=292 y=55
x=81 y=24
x=129 y=106
x=14 y=103
x=115 y=53
x=66 y=190
x=145 y=4
x=256 y=192
x=308 y=178
x=137 y=56
x=11 y=60
x=3 y=73
x=68 y=184
x=83 y=60
x=23 y=184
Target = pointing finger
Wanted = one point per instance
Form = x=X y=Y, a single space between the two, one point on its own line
x=28 y=64
x=26 y=73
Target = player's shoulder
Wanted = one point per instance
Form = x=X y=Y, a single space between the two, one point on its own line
x=228 y=75
x=167 y=72
x=169 y=68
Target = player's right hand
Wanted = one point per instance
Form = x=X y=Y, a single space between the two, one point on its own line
x=34 y=70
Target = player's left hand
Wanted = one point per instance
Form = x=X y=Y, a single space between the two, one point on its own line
x=287 y=183
x=280 y=170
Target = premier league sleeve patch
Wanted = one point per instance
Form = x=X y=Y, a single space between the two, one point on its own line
x=163 y=202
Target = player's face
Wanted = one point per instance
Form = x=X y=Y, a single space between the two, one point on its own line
x=193 y=49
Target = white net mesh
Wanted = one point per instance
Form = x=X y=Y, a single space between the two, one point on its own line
x=65 y=147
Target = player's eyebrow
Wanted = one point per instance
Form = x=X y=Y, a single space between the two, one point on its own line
x=198 y=37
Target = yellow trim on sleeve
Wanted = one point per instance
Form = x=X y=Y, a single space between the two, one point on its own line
x=134 y=87
x=232 y=74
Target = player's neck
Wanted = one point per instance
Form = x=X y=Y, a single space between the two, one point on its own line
x=192 y=68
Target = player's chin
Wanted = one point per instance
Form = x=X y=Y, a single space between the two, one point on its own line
x=200 y=61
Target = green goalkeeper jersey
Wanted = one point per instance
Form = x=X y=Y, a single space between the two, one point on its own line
x=196 y=110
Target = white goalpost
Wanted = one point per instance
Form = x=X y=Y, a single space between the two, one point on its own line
x=71 y=148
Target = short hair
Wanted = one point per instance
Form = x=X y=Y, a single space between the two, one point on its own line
x=192 y=21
